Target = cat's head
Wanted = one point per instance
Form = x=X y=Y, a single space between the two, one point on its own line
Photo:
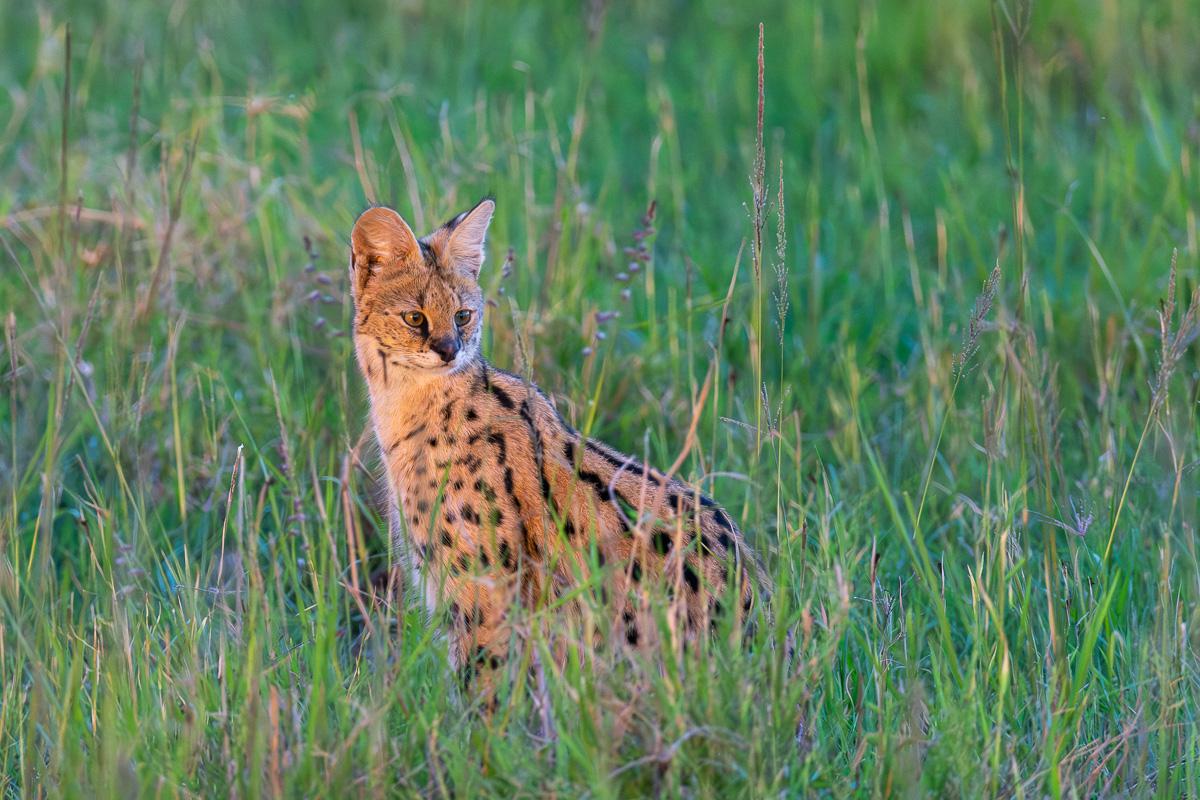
x=417 y=302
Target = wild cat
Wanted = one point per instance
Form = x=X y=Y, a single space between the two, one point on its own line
x=495 y=499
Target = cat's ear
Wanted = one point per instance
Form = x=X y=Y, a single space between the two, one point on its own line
x=380 y=237
x=467 y=234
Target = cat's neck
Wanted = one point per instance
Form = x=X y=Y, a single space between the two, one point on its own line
x=406 y=397
x=410 y=386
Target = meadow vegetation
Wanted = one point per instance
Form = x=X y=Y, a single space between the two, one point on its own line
x=937 y=271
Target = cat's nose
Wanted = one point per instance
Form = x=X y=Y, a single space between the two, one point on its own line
x=446 y=347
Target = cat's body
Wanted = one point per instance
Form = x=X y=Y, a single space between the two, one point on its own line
x=503 y=502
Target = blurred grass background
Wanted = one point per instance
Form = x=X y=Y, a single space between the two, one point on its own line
x=977 y=497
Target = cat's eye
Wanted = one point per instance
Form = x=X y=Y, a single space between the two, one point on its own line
x=462 y=317
x=414 y=319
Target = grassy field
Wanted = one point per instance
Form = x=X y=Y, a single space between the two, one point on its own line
x=956 y=402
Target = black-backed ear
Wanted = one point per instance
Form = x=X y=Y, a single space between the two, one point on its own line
x=467 y=234
x=380 y=237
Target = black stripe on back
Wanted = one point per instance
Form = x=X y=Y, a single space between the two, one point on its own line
x=629 y=464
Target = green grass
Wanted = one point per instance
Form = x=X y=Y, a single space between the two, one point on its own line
x=988 y=564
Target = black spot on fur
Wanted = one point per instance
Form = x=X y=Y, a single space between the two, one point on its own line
x=422 y=506
x=530 y=543
x=527 y=412
x=506 y=555
x=447 y=539
x=502 y=396
x=432 y=441
x=662 y=542
x=481 y=658
x=605 y=491
x=497 y=439
x=635 y=571
x=485 y=659
x=691 y=578
x=415 y=432
x=496 y=517
x=632 y=636
x=471 y=415
x=447 y=412
x=597 y=483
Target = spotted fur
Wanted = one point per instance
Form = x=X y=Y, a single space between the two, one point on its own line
x=496 y=499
